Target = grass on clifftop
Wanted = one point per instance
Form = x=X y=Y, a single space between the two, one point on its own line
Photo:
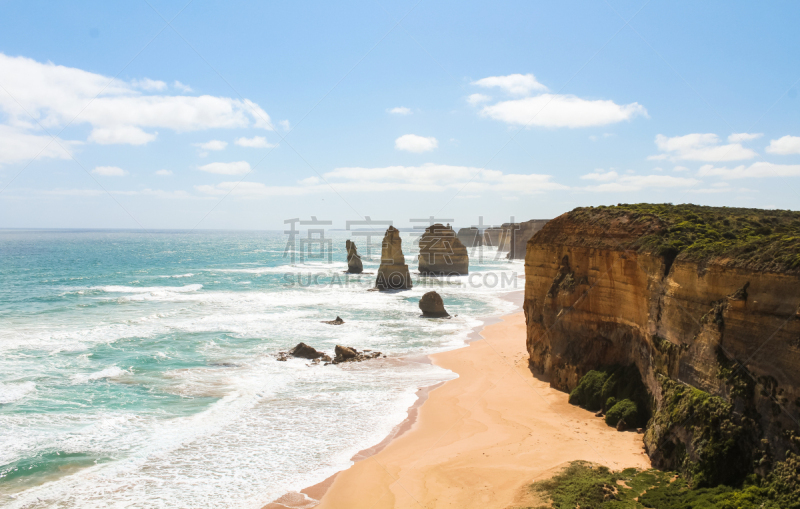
x=753 y=238
x=585 y=485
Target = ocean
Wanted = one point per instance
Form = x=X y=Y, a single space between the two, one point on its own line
x=138 y=369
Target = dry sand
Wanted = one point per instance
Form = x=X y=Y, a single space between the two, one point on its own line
x=478 y=440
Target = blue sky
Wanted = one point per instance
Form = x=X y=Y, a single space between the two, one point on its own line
x=241 y=115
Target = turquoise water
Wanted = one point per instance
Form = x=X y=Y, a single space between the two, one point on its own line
x=138 y=369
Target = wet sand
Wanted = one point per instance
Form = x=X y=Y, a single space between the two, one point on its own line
x=480 y=439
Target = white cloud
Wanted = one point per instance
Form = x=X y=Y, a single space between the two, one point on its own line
x=515 y=84
x=416 y=144
x=254 y=142
x=756 y=170
x=596 y=137
x=740 y=137
x=109 y=171
x=550 y=110
x=400 y=110
x=212 y=145
x=252 y=189
x=164 y=173
x=613 y=182
x=235 y=168
x=118 y=112
x=428 y=177
x=600 y=175
x=149 y=85
x=476 y=99
x=17 y=146
x=121 y=134
x=284 y=125
x=680 y=168
x=699 y=147
x=785 y=145
x=438 y=177
x=180 y=86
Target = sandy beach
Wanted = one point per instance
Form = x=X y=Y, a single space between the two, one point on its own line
x=478 y=440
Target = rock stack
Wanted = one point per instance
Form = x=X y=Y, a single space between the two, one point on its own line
x=432 y=306
x=471 y=237
x=441 y=253
x=354 y=265
x=393 y=273
x=520 y=234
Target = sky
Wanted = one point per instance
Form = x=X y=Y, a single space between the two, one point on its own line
x=151 y=114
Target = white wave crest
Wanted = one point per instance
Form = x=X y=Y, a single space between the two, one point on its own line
x=12 y=392
x=110 y=372
x=148 y=289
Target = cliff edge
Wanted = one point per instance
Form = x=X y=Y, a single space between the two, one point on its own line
x=703 y=301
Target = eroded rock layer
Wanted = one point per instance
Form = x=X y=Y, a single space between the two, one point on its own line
x=594 y=297
x=441 y=253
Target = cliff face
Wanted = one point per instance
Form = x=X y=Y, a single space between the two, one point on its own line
x=521 y=233
x=592 y=301
x=511 y=237
x=441 y=252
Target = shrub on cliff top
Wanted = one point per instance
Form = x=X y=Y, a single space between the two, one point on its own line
x=753 y=238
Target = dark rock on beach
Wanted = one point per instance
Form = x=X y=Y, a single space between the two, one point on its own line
x=432 y=306
x=338 y=321
x=306 y=352
x=349 y=354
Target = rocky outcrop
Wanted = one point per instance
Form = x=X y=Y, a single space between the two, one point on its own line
x=393 y=272
x=716 y=339
x=338 y=321
x=354 y=265
x=441 y=253
x=511 y=237
x=519 y=235
x=303 y=351
x=432 y=306
x=349 y=354
x=470 y=237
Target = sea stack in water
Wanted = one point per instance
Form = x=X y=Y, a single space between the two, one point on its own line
x=432 y=306
x=441 y=253
x=393 y=273
x=354 y=265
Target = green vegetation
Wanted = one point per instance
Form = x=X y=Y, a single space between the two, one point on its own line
x=753 y=238
x=615 y=388
x=722 y=444
x=625 y=411
x=585 y=485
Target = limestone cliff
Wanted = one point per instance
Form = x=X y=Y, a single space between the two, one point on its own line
x=520 y=234
x=688 y=305
x=393 y=272
x=511 y=237
x=441 y=253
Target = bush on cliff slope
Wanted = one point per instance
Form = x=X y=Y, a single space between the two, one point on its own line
x=607 y=388
x=625 y=411
x=724 y=442
x=583 y=484
x=754 y=238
